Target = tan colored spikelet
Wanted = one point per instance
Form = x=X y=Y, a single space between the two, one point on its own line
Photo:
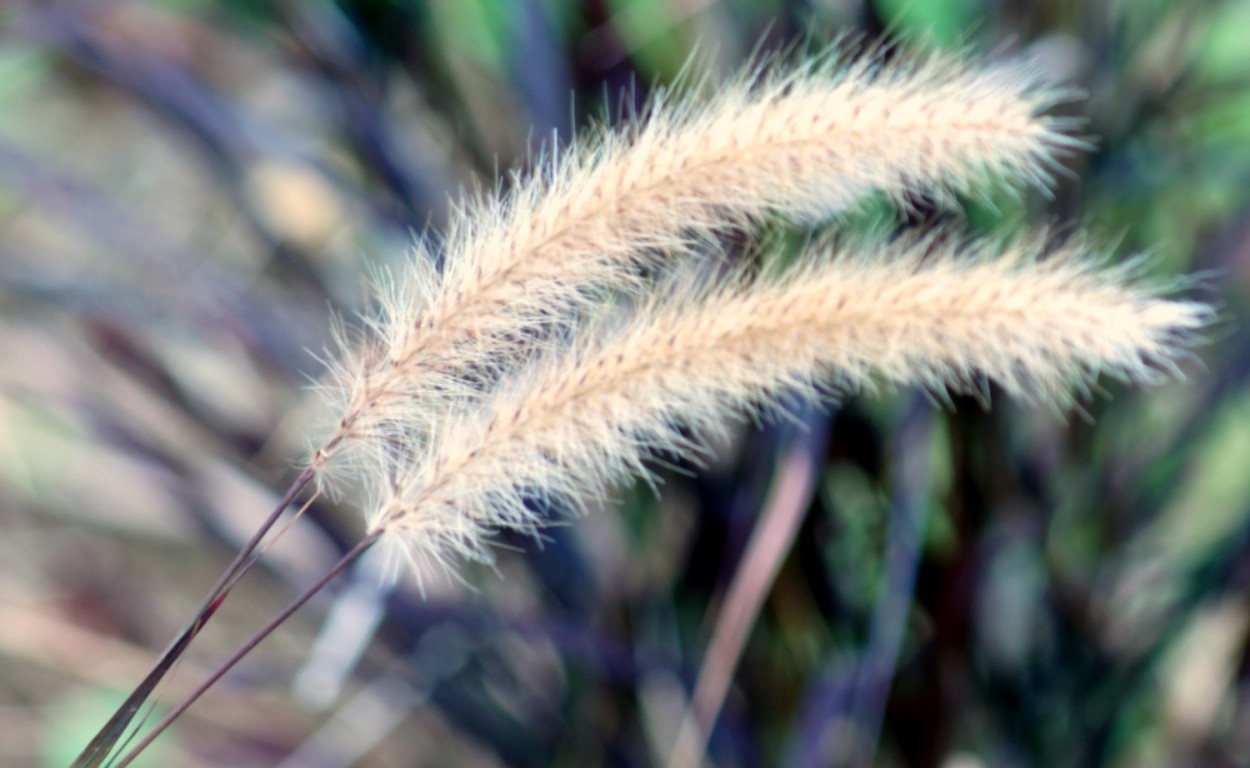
x=800 y=141
x=919 y=312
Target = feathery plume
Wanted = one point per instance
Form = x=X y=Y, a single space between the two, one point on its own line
x=801 y=142
x=919 y=312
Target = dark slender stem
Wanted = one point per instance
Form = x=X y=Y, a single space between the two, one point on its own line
x=112 y=731
x=240 y=565
x=247 y=647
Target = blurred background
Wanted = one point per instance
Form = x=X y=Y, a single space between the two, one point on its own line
x=189 y=189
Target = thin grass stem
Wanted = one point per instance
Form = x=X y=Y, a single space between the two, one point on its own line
x=112 y=731
x=243 y=650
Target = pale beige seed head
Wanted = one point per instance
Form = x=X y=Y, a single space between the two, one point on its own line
x=802 y=141
x=917 y=312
